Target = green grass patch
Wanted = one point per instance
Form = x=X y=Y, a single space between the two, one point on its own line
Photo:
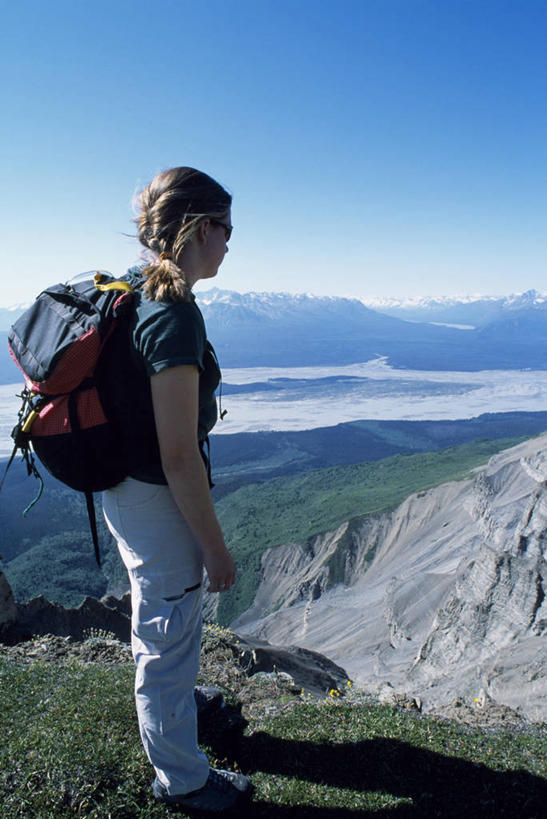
x=71 y=748
x=295 y=508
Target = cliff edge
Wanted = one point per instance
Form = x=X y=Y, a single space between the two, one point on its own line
x=442 y=598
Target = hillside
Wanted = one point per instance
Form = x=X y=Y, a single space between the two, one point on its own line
x=294 y=509
x=441 y=596
x=49 y=552
x=257 y=456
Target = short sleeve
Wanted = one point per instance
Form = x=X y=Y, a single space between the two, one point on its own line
x=170 y=335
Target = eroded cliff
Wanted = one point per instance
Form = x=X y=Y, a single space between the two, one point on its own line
x=444 y=597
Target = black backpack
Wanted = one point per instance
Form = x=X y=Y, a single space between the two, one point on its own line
x=61 y=346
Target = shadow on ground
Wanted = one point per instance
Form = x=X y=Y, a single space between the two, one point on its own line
x=439 y=786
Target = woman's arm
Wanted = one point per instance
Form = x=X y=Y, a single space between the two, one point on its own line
x=175 y=398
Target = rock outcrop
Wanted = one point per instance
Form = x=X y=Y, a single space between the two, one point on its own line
x=25 y=620
x=8 y=606
x=110 y=620
x=311 y=671
x=444 y=597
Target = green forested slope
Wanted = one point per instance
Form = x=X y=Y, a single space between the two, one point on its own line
x=50 y=551
x=249 y=457
x=257 y=517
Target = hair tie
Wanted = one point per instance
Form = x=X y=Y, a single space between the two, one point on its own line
x=164 y=256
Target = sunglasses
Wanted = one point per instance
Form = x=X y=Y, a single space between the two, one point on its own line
x=227 y=228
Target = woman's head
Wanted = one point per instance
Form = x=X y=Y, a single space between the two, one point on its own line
x=179 y=209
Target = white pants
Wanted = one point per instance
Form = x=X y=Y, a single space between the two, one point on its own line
x=165 y=567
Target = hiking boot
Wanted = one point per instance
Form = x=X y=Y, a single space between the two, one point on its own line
x=208 y=699
x=215 y=716
x=223 y=791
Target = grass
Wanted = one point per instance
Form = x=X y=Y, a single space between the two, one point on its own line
x=295 y=508
x=70 y=747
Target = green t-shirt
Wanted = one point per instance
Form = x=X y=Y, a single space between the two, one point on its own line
x=161 y=335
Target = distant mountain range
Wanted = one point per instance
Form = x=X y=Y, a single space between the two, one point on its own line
x=473 y=311
x=469 y=311
x=280 y=329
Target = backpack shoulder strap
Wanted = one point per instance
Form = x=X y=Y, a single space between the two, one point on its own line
x=117 y=284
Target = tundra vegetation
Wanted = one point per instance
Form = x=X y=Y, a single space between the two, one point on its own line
x=71 y=748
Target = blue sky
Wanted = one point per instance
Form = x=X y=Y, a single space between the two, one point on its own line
x=373 y=148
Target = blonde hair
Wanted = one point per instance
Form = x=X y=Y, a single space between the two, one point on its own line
x=171 y=208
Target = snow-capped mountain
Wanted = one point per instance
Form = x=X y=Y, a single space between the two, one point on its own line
x=275 y=305
x=473 y=310
x=281 y=329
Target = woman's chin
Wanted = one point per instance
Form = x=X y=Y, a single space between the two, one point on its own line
x=211 y=275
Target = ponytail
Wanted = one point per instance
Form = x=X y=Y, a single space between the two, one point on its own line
x=165 y=281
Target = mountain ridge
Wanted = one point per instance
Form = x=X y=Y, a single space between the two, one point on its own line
x=440 y=597
x=469 y=311
x=276 y=329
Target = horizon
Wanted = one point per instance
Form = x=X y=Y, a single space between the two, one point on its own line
x=378 y=147
x=366 y=300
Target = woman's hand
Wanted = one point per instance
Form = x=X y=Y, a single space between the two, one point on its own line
x=221 y=569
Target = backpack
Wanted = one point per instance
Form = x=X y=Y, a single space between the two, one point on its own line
x=60 y=344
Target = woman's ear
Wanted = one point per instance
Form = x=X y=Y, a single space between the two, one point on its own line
x=203 y=229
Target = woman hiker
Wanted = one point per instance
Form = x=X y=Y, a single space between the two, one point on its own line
x=162 y=516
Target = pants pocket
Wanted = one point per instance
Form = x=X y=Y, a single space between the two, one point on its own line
x=156 y=621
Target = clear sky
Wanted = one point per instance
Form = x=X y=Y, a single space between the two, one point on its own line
x=373 y=147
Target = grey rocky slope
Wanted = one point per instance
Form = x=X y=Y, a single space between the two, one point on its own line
x=442 y=598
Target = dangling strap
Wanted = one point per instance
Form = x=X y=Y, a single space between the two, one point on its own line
x=221 y=412
x=28 y=458
x=76 y=429
x=32 y=470
x=93 y=525
x=15 y=448
x=16 y=434
x=206 y=457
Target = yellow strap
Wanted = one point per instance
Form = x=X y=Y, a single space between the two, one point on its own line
x=111 y=285
x=30 y=419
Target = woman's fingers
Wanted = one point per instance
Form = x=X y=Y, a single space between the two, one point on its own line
x=221 y=570
x=221 y=585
